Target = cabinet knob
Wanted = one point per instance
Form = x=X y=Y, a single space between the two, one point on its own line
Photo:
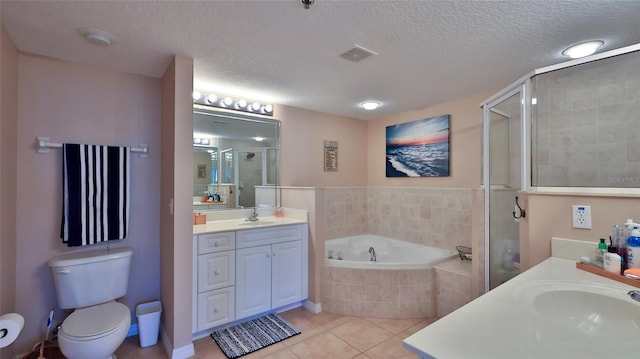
x=273 y=254
x=215 y=310
x=268 y=254
x=215 y=244
x=215 y=272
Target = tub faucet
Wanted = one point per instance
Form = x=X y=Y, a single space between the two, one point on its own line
x=253 y=216
x=372 y=255
x=635 y=295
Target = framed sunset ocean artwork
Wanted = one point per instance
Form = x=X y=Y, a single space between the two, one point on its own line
x=419 y=148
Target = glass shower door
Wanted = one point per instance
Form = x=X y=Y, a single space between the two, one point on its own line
x=503 y=147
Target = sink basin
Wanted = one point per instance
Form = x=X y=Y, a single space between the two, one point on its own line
x=589 y=313
x=583 y=308
x=256 y=223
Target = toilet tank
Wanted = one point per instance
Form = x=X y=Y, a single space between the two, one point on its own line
x=91 y=277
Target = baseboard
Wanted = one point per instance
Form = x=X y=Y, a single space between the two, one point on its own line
x=312 y=307
x=184 y=352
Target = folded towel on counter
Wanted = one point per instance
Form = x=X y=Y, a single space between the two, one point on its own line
x=95 y=194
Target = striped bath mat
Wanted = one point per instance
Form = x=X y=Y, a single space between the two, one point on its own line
x=253 y=335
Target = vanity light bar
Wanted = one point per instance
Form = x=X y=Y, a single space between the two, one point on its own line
x=232 y=104
x=201 y=141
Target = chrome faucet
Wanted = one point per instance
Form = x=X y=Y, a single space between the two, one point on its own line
x=635 y=295
x=253 y=216
x=372 y=255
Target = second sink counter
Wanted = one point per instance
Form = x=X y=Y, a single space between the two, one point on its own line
x=503 y=324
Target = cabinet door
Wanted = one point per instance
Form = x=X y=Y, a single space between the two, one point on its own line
x=286 y=273
x=216 y=271
x=215 y=308
x=253 y=281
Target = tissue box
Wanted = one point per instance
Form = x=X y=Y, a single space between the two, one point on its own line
x=199 y=218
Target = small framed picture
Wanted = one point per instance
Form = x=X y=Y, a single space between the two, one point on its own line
x=330 y=156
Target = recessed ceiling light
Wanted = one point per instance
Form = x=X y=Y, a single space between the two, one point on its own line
x=370 y=105
x=583 y=49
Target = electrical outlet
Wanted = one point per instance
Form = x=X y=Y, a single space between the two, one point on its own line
x=581 y=216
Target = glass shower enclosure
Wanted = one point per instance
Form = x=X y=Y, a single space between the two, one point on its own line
x=503 y=126
x=573 y=126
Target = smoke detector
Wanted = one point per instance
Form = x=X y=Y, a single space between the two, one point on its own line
x=96 y=37
x=357 y=54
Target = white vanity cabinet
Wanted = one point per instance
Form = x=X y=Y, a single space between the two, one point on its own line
x=214 y=279
x=238 y=274
x=269 y=269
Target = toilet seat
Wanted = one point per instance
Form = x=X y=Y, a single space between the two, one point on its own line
x=96 y=321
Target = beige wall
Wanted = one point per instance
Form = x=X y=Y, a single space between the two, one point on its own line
x=8 y=177
x=302 y=136
x=465 y=145
x=176 y=204
x=75 y=103
x=550 y=216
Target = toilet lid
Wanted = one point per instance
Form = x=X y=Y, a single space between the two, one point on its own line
x=96 y=319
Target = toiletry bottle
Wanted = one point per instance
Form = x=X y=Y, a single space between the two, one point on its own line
x=628 y=227
x=620 y=241
x=633 y=249
x=600 y=251
x=612 y=260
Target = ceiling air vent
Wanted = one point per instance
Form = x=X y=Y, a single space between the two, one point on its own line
x=357 y=54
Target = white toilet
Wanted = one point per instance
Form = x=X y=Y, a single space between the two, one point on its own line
x=89 y=282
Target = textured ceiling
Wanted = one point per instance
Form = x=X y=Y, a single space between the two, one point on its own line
x=428 y=51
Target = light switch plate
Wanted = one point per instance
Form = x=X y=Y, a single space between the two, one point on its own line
x=581 y=216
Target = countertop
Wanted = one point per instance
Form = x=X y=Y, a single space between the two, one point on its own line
x=503 y=323
x=234 y=220
x=241 y=224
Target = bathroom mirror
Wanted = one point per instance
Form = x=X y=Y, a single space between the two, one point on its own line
x=235 y=157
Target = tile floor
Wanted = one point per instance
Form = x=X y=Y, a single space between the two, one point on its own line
x=324 y=335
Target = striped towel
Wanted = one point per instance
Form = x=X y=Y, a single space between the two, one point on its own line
x=95 y=194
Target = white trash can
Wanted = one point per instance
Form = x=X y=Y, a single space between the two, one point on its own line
x=148 y=315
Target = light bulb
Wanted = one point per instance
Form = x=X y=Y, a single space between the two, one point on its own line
x=196 y=95
x=212 y=98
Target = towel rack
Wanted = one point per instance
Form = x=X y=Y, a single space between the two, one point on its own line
x=43 y=145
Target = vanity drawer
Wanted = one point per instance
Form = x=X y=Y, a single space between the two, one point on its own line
x=216 y=242
x=268 y=235
x=215 y=308
x=216 y=270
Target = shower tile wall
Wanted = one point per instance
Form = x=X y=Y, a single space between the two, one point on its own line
x=588 y=124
